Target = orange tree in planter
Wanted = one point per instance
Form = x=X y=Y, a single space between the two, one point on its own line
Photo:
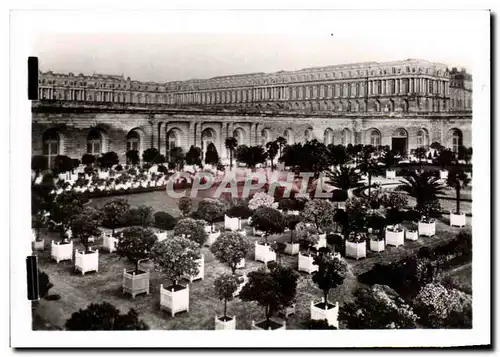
x=268 y=220
x=225 y=286
x=330 y=274
x=135 y=244
x=176 y=257
x=193 y=229
x=273 y=290
x=457 y=179
x=230 y=248
x=86 y=225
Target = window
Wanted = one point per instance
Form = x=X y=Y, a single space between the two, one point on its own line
x=133 y=141
x=375 y=138
x=328 y=137
x=94 y=141
x=422 y=138
x=456 y=140
x=345 y=137
x=307 y=135
x=51 y=146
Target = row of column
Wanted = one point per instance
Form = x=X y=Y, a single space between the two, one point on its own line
x=408 y=86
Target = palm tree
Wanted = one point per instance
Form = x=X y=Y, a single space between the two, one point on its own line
x=368 y=166
x=231 y=144
x=281 y=141
x=272 y=149
x=343 y=177
x=424 y=186
x=457 y=179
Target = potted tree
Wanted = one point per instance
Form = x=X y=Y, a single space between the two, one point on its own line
x=185 y=206
x=307 y=234
x=291 y=247
x=211 y=210
x=425 y=187
x=355 y=246
x=320 y=212
x=389 y=160
x=193 y=229
x=234 y=217
x=38 y=222
x=457 y=179
x=394 y=235
x=231 y=248
x=176 y=257
x=269 y=221
x=225 y=286
x=114 y=213
x=331 y=274
x=377 y=243
x=411 y=230
x=86 y=226
x=273 y=290
x=135 y=244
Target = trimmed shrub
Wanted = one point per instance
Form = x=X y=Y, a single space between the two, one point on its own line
x=163 y=220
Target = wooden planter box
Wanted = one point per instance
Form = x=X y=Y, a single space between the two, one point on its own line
x=39 y=244
x=321 y=242
x=377 y=245
x=457 y=220
x=443 y=174
x=426 y=229
x=263 y=253
x=306 y=263
x=225 y=325
x=174 y=301
x=288 y=311
x=212 y=237
x=161 y=235
x=109 y=242
x=331 y=315
x=60 y=251
x=85 y=262
x=241 y=264
x=282 y=326
x=394 y=238
x=411 y=235
x=232 y=223
x=135 y=284
x=201 y=270
x=390 y=174
x=355 y=250
x=242 y=232
x=292 y=248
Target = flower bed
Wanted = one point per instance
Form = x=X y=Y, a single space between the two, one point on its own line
x=394 y=235
x=87 y=261
x=135 y=284
x=328 y=312
x=174 y=299
x=264 y=253
x=306 y=263
x=61 y=251
x=457 y=220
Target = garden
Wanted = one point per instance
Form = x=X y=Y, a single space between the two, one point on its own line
x=266 y=261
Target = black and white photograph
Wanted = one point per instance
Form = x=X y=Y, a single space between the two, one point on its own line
x=277 y=171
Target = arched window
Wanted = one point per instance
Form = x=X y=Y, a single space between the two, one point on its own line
x=456 y=140
x=173 y=139
x=51 y=146
x=133 y=141
x=375 y=138
x=345 y=137
x=288 y=135
x=207 y=138
x=265 y=137
x=307 y=134
x=238 y=134
x=328 y=137
x=94 y=142
x=423 y=138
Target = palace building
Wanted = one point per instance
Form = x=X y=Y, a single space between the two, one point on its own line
x=403 y=104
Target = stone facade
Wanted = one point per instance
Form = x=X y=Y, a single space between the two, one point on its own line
x=399 y=103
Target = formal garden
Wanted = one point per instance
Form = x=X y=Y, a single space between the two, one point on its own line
x=390 y=247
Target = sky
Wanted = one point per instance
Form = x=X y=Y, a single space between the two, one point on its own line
x=240 y=45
